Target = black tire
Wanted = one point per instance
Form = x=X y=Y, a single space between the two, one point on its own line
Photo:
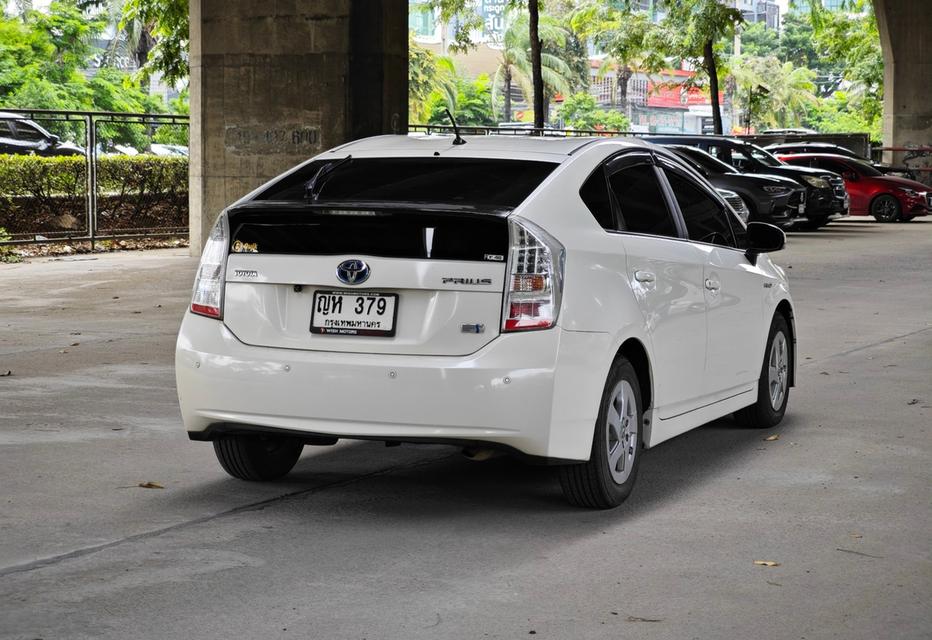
x=258 y=457
x=762 y=414
x=592 y=484
x=886 y=208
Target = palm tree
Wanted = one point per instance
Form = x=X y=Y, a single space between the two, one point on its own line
x=514 y=66
x=790 y=89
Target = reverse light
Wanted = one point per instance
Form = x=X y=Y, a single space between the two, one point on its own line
x=207 y=299
x=535 y=283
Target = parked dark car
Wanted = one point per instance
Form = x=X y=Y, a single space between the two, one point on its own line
x=21 y=136
x=887 y=198
x=768 y=198
x=826 y=197
x=785 y=148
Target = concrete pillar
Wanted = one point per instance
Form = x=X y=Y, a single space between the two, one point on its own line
x=274 y=82
x=906 y=38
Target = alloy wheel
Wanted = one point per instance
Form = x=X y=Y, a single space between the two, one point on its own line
x=777 y=370
x=622 y=431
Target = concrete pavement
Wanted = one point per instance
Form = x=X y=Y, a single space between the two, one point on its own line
x=362 y=541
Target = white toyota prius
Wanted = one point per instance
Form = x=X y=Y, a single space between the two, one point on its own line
x=568 y=300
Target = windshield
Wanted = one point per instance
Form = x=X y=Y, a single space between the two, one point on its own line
x=864 y=168
x=475 y=183
x=763 y=157
x=707 y=162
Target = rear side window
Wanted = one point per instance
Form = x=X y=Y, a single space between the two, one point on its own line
x=28 y=132
x=467 y=182
x=705 y=219
x=5 y=130
x=594 y=193
x=643 y=208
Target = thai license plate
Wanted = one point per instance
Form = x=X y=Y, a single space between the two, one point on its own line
x=354 y=313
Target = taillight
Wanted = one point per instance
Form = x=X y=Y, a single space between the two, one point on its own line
x=532 y=299
x=207 y=299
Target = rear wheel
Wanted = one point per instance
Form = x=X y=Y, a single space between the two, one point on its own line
x=262 y=457
x=886 y=208
x=608 y=477
x=773 y=388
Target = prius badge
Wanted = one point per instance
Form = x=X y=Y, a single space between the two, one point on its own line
x=353 y=271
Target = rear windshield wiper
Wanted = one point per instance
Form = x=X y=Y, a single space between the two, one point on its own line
x=313 y=187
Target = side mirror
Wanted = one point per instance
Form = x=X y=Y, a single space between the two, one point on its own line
x=850 y=176
x=763 y=238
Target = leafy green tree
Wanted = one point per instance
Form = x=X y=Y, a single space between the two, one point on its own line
x=113 y=90
x=758 y=40
x=852 y=41
x=797 y=42
x=839 y=114
x=167 y=23
x=472 y=107
x=630 y=39
x=580 y=111
x=428 y=73
x=42 y=59
x=461 y=14
x=695 y=30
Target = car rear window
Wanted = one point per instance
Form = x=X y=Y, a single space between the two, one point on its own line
x=480 y=183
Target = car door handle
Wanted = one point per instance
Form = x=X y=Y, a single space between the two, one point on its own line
x=644 y=276
x=712 y=285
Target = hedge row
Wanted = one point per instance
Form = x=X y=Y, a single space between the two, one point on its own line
x=49 y=195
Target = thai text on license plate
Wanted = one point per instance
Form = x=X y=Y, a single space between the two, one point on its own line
x=354 y=313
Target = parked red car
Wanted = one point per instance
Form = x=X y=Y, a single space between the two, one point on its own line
x=887 y=198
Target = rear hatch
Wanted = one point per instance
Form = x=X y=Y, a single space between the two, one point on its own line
x=382 y=260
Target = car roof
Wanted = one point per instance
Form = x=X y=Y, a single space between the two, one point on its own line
x=517 y=147
x=827 y=156
x=688 y=139
x=804 y=143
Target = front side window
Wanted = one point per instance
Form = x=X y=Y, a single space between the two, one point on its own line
x=741 y=160
x=5 y=131
x=764 y=157
x=705 y=219
x=640 y=201
x=709 y=162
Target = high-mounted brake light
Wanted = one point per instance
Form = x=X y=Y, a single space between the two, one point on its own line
x=535 y=284
x=207 y=299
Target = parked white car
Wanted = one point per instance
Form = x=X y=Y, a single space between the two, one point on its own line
x=570 y=300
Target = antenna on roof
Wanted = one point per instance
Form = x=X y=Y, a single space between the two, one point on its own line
x=458 y=139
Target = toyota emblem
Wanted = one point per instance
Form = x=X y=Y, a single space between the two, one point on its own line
x=353 y=271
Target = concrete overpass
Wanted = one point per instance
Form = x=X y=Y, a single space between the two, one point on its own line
x=906 y=38
x=273 y=83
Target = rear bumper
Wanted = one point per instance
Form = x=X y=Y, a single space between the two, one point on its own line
x=509 y=393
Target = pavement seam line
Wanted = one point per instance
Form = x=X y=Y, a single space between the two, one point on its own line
x=866 y=346
x=253 y=506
